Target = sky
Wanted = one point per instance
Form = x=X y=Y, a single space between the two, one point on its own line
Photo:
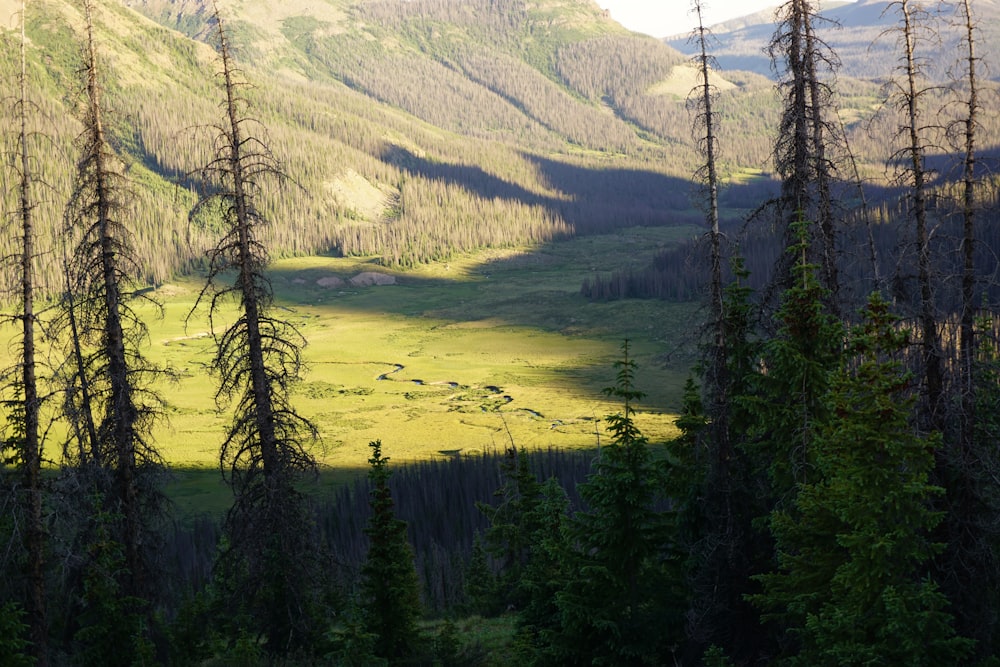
x=660 y=18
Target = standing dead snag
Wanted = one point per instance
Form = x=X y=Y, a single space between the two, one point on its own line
x=270 y=563
x=803 y=148
x=911 y=100
x=970 y=125
x=24 y=407
x=107 y=333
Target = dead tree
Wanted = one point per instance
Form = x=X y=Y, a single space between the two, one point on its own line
x=271 y=559
x=24 y=408
x=969 y=124
x=972 y=529
x=911 y=93
x=107 y=333
x=802 y=149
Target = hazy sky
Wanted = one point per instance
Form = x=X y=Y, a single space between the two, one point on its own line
x=660 y=18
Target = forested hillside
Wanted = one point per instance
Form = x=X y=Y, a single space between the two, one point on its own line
x=829 y=495
x=403 y=122
x=397 y=140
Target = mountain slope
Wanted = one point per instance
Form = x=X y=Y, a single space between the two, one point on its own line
x=414 y=130
x=863 y=35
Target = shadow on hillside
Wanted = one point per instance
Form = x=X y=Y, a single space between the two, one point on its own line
x=588 y=200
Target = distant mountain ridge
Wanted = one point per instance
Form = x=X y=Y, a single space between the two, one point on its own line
x=861 y=35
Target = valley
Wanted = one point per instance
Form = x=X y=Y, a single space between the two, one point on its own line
x=674 y=363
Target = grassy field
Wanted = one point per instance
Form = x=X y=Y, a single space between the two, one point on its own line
x=454 y=357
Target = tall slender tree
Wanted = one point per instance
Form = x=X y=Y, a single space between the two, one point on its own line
x=24 y=408
x=805 y=138
x=272 y=559
x=970 y=128
x=911 y=94
x=108 y=332
x=390 y=592
x=617 y=607
x=973 y=552
x=709 y=480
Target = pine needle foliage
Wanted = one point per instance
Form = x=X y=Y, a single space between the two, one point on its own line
x=853 y=584
x=390 y=591
x=788 y=397
x=617 y=607
x=509 y=537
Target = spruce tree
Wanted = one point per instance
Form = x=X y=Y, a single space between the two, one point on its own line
x=508 y=538
x=548 y=568
x=618 y=606
x=854 y=547
x=788 y=397
x=390 y=592
x=715 y=488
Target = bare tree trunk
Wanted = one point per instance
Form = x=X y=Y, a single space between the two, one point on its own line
x=248 y=275
x=967 y=342
x=273 y=555
x=35 y=538
x=930 y=336
x=81 y=410
x=718 y=363
x=818 y=101
x=800 y=152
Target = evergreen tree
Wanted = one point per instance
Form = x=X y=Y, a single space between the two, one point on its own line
x=784 y=406
x=14 y=645
x=508 y=538
x=544 y=575
x=617 y=607
x=854 y=545
x=716 y=491
x=788 y=398
x=390 y=591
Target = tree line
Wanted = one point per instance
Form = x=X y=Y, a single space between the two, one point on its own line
x=830 y=498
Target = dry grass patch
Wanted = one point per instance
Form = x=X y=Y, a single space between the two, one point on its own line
x=685 y=78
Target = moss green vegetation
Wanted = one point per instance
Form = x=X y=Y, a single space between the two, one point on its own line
x=471 y=353
x=456 y=356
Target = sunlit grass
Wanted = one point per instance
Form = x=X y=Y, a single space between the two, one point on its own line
x=458 y=356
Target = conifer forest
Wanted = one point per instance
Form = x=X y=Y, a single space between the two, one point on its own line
x=815 y=195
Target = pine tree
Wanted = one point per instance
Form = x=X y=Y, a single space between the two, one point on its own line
x=390 y=591
x=508 y=538
x=854 y=547
x=788 y=399
x=547 y=570
x=715 y=488
x=618 y=607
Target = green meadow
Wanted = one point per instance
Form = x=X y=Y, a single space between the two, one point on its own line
x=455 y=357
